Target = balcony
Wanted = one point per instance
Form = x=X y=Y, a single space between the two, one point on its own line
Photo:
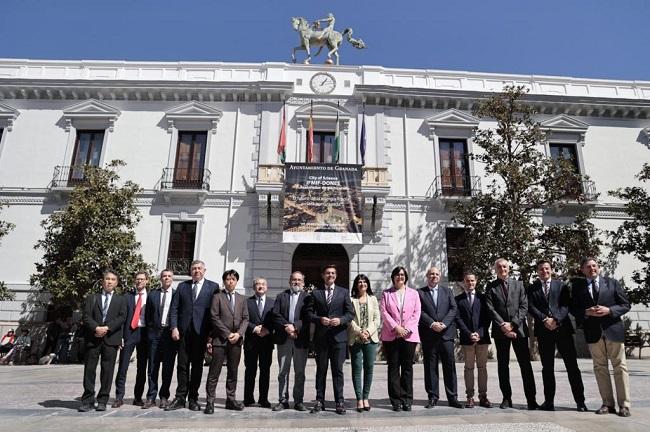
x=184 y=183
x=459 y=187
x=180 y=266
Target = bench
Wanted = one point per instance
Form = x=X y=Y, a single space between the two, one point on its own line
x=636 y=340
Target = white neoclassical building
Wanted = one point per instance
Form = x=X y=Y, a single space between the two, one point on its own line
x=201 y=139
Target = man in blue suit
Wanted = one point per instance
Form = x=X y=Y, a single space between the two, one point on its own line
x=437 y=329
x=134 y=337
x=162 y=349
x=598 y=304
x=548 y=303
x=190 y=324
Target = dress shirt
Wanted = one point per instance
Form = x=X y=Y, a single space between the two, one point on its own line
x=164 y=315
x=142 y=322
x=434 y=294
x=293 y=302
x=199 y=285
x=106 y=303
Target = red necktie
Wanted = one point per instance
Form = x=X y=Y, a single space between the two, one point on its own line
x=136 y=314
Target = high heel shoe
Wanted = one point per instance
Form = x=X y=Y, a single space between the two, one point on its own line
x=359 y=408
x=366 y=405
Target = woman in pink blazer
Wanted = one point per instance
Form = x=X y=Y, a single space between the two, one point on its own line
x=400 y=314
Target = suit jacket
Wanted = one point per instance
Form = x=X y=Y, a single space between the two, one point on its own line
x=391 y=317
x=186 y=311
x=373 y=321
x=444 y=311
x=340 y=307
x=610 y=294
x=224 y=321
x=129 y=335
x=280 y=318
x=153 y=311
x=473 y=319
x=115 y=316
x=254 y=319
x=556 y=306
x=514 y=309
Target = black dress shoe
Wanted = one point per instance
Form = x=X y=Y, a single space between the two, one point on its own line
x=234 y=405
x=506 y=403
x=606 y=410
x=209 y=408
x=164 y=402
x=624 y=412
x=397 y=408
x=581 y=407
x=100 y=407
x=455 y=404
x=281 y=406
x=85 y=408
x=430 y=403
x=177 y=403
x=194 y=405
x=484 y=402
x=138 y=402
x=547 y=406
x=532 y=406
x=406 y=407
x=265 y=404
x=248 y=402
x=318 y=407
x=340 y=409
x=298 y=406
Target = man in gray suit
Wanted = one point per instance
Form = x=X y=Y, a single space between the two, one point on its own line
x=228 y=320
x=598 y=304
x=508 y=305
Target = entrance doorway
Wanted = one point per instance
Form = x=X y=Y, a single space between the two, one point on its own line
x=310 y=258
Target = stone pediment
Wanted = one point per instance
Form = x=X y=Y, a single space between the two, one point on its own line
x=453 y=118
x=7 y=116
x=91 y=113
x=323 y=111
x=194 y=110
x=565 y=123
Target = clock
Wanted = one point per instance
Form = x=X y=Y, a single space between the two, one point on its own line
x=322 y=83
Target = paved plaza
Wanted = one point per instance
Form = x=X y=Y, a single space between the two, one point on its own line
x=45 y=398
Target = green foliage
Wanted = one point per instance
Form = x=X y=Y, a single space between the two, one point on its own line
x=505 y=220
x=94 y=232
x=633 y=236
x=5 y=227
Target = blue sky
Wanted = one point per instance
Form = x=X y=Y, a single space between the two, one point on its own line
x=580 y=38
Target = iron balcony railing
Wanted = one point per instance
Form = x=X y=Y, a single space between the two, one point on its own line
x=455 y=186
x=180 y=266
x=184 y=178
x=67 y=176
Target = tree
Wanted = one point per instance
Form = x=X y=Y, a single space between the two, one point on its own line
x=93 y=232
x=633 y=236
x=506 y=220
x=5 y=227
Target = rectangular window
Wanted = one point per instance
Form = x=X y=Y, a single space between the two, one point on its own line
x=182 y=237
x=567 y=152
x=454 y=178
x=323 y=147
x=190 y=158
x=456 y=244
x=87 y=151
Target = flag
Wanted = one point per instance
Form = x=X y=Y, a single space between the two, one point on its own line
x=282 y=142
x=337 y=141
x=362 y=140
x=310 y=136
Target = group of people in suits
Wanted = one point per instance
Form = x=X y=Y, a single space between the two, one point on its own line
x=179 y=326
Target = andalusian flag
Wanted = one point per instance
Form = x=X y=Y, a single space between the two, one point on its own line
x=310 y=135
x=282 y=142
x=337 y=141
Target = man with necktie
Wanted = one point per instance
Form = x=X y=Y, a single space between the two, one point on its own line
x=190 y=325
x=291 y=335
x=548 y=303
x=473 y=322
x=229 y=321
x=162 y=349
x=508 y=305
x=134 y=337
x=437 y=328
x=598 y=305
x=103 y=316
x=258 y=344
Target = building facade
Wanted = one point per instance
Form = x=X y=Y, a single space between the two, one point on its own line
x=201 y=139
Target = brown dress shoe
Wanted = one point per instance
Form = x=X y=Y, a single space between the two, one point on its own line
x=485 y=402
x=605 y=410
x=163 y=403
x=469 y=403
x=148 y=404
x=624 y=412
x=118 y=403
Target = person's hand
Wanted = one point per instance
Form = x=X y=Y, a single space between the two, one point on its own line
x=258 y=329
x=264 y=331
x=601 y=311
x=325 y=321
x=511 y=335
x=175 y=334
x=401 y=331
x=289 y=328
x=335 y=322
x=437 y=326
x=233 y=338
x=474 y=337
x=208 y=347
x=550 y=323
x=506 y=327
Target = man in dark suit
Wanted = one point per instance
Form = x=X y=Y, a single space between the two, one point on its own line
x=258 y=344
x=229 y=321
x=103 y=316
x=134 y=337
x=190 y=317
x=473 y=322
x=437 y=329
x=548 y=303
x=162 y=349
x=331 y=313
x=598 y=304
x=508 y=305
x=291 y=334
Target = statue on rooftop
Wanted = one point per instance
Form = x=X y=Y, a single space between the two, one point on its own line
x=311 y=35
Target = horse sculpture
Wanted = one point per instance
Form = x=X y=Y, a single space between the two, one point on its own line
x=312 y=37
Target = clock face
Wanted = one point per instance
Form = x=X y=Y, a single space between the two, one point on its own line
x=322 y=83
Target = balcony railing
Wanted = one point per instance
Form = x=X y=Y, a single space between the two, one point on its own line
x=68 y=176
x=372 y=176
x=583 y=191
x=180 y=266
x=460 y=186
x=183 y=178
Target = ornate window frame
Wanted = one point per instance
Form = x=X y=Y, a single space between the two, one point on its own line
x=8 y=115
x=563 y=129
x=323 y=114
x=166 y=220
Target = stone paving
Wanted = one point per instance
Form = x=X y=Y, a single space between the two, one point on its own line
x=45 y=398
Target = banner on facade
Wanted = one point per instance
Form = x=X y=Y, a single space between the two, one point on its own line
x=322 y=203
